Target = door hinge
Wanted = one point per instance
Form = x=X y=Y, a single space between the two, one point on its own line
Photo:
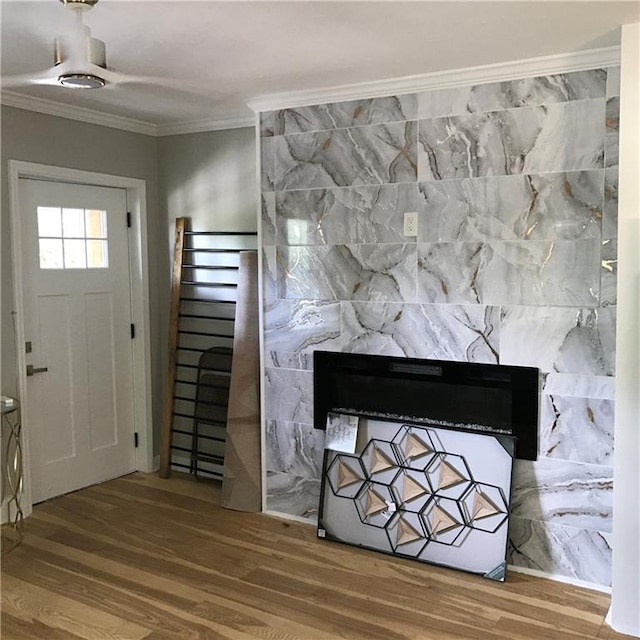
x=133 y=331
x=129 y=219
x=135 y=439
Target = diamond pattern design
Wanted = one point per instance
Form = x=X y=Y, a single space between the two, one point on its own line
x=412 y=489
x=483 y=506
x=449 y=477
x=406 y=533
x=373 y=503
x=380 y=461
x=414 y=447
x=442 y=521
x=346 y=476
x=417 y=492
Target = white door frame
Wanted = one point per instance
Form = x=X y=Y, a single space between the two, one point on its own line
x=139 y=281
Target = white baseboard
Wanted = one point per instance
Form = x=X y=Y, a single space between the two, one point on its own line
x=559 y=578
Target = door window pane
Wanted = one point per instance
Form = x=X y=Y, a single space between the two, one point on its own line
x=96 y=223
x=51 y=254
x=49 y=222
x=97 y=254
x=72 y=238
x=73 y=223
x=74 y=254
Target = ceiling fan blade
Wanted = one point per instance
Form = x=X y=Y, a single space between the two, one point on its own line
x=114 y=77
x=119 y=78
x=48 y=77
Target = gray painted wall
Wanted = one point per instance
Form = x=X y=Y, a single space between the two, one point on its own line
x=209 y=177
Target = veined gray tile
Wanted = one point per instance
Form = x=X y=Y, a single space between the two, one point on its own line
x=497 y=96
x=353 y=272
x=352 y=215
x=340 y=115
x=558 y=339
x=267 y=164
x=609 y=275
x=582 y=386
x=292 y=448
x=612 y=133
x=289 y=395
x=610 y=219
x=269 y=282
x=449 y=272
x=553 y=138
x=559 y=550
x=577 y=429
x=552 y=206
x=294 y=329
x=267 y=123
x=290 y=360
x=268 y=200
x=376 y=154
x=527 y=273
x=613 y=82
x=472 y=209
x=293 y=495
x=569 y=493
x=441 y=332
x=541 y=273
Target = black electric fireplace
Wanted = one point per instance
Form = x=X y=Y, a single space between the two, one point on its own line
x=497 y=399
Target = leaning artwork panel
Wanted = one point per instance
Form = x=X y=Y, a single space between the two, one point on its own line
x=429 y=493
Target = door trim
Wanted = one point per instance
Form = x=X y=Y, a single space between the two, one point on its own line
x=139 y=282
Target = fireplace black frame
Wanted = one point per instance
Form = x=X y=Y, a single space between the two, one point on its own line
x=498 y=399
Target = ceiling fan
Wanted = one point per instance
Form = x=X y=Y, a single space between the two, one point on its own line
x=80 y=60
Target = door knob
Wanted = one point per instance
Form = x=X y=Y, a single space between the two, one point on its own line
x=31 y=370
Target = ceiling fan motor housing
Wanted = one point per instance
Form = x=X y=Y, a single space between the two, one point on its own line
x=96 y=52
x=79 y=3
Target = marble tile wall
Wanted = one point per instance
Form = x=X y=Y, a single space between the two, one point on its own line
x=515 y=187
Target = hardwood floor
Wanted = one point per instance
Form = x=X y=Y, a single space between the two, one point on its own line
x=143 y=558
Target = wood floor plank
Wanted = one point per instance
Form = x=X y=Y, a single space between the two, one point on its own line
x=140 y=558
x=130 y=580
x=15 y=628
x=29 y=602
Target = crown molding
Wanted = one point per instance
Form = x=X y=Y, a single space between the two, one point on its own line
x=201 y=126
x=484 y=74
x=92 y=116
x=560 y=63
x=72 y=112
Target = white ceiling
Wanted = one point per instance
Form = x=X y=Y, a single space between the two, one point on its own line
x=232 y=52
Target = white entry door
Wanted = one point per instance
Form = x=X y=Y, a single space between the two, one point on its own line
x=78 y=332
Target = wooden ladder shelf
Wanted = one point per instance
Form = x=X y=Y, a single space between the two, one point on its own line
x=201 y=321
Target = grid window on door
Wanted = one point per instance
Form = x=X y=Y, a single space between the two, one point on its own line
x=72 y=238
